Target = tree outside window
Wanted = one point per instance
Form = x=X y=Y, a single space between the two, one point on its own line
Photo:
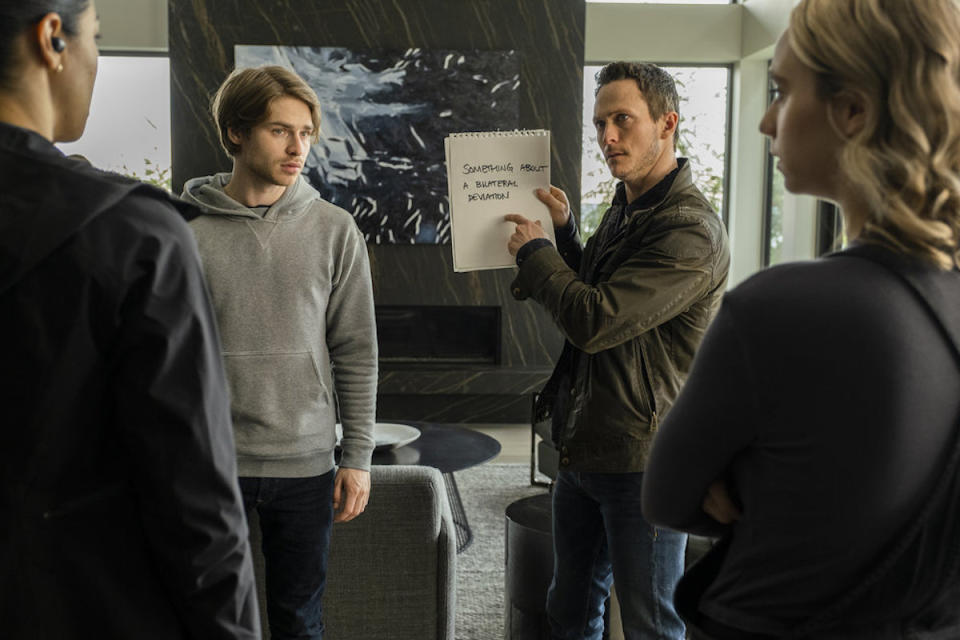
x=128 y=130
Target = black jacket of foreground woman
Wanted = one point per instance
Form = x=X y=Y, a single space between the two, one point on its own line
x=826 y=394
x=119 y=512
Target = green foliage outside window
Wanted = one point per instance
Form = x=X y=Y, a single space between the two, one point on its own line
x=151 y=173
x=776 y=217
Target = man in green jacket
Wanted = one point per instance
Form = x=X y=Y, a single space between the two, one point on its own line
x=633 y=306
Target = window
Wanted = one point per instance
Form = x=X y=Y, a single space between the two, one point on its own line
x=128 y=130
x=773 y=213
x=829 y=234
x=773 y=207
x=704 y=114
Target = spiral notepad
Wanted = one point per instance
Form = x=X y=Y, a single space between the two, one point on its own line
x=491 y=174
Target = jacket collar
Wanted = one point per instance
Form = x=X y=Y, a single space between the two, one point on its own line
x=46 y=198
x=672 y=183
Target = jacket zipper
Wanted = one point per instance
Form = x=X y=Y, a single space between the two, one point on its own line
x=648 y=384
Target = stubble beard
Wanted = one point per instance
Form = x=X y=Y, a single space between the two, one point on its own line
x=637 y=172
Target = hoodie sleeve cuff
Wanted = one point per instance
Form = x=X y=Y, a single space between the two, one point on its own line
x=356 y=458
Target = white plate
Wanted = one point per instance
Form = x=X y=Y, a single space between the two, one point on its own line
x=388 y=435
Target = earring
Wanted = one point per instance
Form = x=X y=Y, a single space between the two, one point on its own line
x=60 y=68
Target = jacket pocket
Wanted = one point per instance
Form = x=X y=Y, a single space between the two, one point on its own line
x=279 y=403
x=646 y=385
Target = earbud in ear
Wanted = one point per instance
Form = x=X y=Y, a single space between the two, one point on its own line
x=58 y=44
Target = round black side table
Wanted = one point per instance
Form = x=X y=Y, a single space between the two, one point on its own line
x=529 y=568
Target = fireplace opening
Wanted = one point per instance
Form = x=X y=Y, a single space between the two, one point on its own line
x=423 y=334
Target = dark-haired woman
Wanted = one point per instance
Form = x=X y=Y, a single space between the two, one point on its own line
x=119 y=512
x=818 y=431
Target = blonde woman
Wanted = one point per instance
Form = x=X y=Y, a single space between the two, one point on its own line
x=817 y=433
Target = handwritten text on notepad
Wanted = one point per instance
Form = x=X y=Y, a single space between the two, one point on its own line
x=493 y=189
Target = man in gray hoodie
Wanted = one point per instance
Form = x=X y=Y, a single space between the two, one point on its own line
x=290 y=284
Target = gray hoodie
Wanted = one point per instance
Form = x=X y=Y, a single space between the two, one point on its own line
x=292 y=294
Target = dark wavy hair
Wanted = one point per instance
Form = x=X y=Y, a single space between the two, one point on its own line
x=17 y=15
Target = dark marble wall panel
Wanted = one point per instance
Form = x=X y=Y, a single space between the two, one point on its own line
x=478 y=408
x=548 y=34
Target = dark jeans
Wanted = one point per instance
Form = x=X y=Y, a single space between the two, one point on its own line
x=296 y=518
x=600 y=537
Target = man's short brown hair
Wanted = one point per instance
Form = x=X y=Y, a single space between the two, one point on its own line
x=657 y=86
x=244 y=98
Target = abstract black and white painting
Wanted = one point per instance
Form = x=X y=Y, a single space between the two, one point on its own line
x=384 y=117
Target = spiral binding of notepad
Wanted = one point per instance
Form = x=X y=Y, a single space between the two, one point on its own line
x=497 y=134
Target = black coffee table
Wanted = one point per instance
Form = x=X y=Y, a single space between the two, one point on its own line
x=449 y=448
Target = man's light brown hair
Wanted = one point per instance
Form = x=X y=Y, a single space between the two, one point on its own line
x=244 y=98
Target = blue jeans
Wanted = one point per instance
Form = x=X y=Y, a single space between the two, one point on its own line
x=600 y=537
x=296 y=518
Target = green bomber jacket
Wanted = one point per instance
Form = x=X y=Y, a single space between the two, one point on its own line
x=633 y=306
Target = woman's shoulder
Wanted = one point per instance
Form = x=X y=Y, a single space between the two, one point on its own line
x=824 y=276
x=152 y=210
x=100 y=192
x=835 y=289
x=139 y=219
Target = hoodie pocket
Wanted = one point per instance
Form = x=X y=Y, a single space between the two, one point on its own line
x=279 y=403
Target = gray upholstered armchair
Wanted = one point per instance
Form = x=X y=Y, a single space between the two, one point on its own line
x=392 y=571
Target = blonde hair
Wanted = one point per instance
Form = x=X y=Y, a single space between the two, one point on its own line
x=244 y=98
x=903 y=58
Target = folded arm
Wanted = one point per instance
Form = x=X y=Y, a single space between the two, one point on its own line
x=686 y=484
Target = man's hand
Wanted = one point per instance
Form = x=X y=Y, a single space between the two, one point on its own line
x=557 y=203
x=526 y=231
x=718 y=504
x=351 y=491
